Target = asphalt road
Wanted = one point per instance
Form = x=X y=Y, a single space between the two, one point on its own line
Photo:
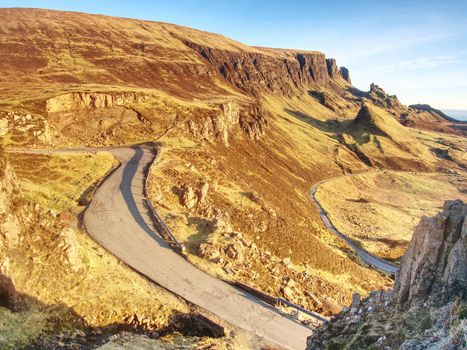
x=119 y=220
x=373 y=261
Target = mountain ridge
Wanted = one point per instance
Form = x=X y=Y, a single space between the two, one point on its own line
x=243 y=132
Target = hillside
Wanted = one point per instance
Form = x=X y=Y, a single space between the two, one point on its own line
x=244 y=133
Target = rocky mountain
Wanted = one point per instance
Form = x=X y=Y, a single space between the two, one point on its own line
x=427 y=309
x=244 y=132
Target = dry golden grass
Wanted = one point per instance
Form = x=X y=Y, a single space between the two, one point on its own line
x=379 y=210
x=62 y=182
x=280 y=174
x=65 y=276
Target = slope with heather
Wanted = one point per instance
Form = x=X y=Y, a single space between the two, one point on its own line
x=244 y=132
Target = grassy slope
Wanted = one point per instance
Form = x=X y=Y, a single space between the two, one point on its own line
x=304 y=143
x=61 y=182
x=279 y=170
x=380 y=209
x=62 y=274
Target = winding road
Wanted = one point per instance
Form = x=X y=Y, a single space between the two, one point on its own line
x=373 y=261
x=120 y=221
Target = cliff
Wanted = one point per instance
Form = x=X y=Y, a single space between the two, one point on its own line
x=272 y=70
x=175 y=59
x=434 y=268
x=426 y=309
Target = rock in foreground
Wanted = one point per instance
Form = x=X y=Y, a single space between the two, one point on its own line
x=428 y=307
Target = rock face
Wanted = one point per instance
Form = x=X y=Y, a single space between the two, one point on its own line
x=79 y=100
x=345 y=74
x=426 y=309
x=333 y=70
x=221 y=122
x=9 y=223
x=256 y=72
x=434 y=267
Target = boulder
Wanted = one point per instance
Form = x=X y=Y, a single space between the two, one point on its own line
x=356 y=300
x=202 y=192
x=221 y=222
x=8 y=294
x=189 y=198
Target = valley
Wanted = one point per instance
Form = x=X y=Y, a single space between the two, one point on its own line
x=242 y=134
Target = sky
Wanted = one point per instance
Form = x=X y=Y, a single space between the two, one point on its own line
x=416 y=50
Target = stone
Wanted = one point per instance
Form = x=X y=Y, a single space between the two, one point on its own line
x=221 y=222
x=189 y=198
x=288 y=293
x=234 y=251
x=209 y=251
x=356 y=300
x=287 y=263
x=380 y=343
x=202 y=192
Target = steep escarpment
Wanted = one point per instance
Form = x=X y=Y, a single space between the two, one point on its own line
x=427 y=308
x=434 y=111
x=434 y=268
x=273 y=71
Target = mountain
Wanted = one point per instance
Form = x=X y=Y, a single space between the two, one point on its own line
x=242 y=132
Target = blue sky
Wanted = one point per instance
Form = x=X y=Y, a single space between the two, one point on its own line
x=414 y=49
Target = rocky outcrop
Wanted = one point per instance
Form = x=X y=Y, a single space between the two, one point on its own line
x=31 y=129
x=333 y=70
x=257 y=72
x=8 y=295
x=428 y=306
x=9 y=223
x=86 y=100
x=345 y=74
x=254 y=121
x=434 y=268
x=220 y=122
x=216 y=124
x=190 y=196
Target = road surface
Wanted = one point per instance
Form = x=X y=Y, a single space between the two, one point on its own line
x=118 y=219
x=373 y=261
